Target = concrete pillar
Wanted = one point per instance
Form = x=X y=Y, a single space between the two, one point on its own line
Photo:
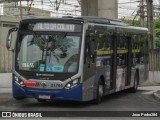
x=89 y=7
x=108 y=8
x=101 y=8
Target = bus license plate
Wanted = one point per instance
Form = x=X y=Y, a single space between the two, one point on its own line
x=44 y=97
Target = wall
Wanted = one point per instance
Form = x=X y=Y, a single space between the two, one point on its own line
x=5 y=80
x=108 y=8
x=154 y=68
x=5 y=55
x=154 y=60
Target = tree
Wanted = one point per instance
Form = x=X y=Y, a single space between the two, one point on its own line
x=157 y=31
x=131 y=22
x=157 y=28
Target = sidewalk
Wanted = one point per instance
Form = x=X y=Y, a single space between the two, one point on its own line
x=156 y=83
x=157 y=95
x=5 y=80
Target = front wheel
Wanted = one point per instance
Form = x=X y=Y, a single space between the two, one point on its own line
x=100 y=92
x=41 y=100
x=18 y=98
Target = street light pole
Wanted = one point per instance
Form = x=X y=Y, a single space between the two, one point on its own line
x=150 y=24
x=21 y=9
x=142 y=15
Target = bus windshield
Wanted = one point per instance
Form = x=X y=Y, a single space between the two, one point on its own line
x=53 y=52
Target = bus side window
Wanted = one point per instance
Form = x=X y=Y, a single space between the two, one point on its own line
x=104 y=43
x=136 y=49
x=143 y=48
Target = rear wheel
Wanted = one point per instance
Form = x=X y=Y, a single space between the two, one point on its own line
x=100 y=92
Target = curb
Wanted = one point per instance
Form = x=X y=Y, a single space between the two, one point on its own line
x=156 y=95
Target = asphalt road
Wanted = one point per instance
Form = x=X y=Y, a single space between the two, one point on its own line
x=143 y=100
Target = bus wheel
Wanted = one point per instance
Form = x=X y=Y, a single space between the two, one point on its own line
x=135 y=87
x=41 y=100
x=100 y=92
x=18 y=98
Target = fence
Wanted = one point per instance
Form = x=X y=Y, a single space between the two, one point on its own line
x=154 y=60
x=5 y=60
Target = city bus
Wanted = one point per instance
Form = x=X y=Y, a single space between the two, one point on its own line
x=77 y=58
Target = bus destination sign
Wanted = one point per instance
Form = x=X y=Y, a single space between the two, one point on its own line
x=54 y=27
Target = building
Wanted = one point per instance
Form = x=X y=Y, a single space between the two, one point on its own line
x=13 y=9
x=5 y=55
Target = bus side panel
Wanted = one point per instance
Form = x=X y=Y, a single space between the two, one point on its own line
x=140 y=55
x=133 y=71
x=88 y=89
x=120 y=79
x=91 y=81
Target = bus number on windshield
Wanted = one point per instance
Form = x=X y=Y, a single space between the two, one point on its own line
x=28 y=65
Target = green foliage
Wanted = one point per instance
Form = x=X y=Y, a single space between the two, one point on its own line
x=157 y=37
x=157 y=23
x=131 y=22
x=157 y=28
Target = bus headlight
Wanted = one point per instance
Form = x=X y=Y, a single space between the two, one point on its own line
x=16 y=78
x=72 y=84
x=19 y=81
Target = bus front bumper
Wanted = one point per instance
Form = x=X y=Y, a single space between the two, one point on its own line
x=74 y=94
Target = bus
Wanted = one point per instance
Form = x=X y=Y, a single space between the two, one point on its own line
x=77 y=58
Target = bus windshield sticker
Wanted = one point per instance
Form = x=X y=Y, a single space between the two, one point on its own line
x=42 y=66
x=49 y=68
x=54 y=68
x=54 y=27
x=28 y=65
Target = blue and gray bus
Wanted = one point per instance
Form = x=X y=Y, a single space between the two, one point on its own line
x=77 y=58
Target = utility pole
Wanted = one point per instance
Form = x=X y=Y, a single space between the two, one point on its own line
x=142 y=15
x=150 y=24
x=21 y=9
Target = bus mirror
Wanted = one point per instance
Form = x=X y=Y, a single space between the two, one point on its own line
x=9 y=37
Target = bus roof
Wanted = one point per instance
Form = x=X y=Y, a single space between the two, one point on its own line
x=87 y=19
x=90 y=19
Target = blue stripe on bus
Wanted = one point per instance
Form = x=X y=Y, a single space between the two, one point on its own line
x=18 y=91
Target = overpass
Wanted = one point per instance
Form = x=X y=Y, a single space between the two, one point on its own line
x=102 y=8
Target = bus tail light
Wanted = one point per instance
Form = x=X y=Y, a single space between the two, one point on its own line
x=72 y=84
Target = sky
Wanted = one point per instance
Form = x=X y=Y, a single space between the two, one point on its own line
x=127 y=8
x=130 y=7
